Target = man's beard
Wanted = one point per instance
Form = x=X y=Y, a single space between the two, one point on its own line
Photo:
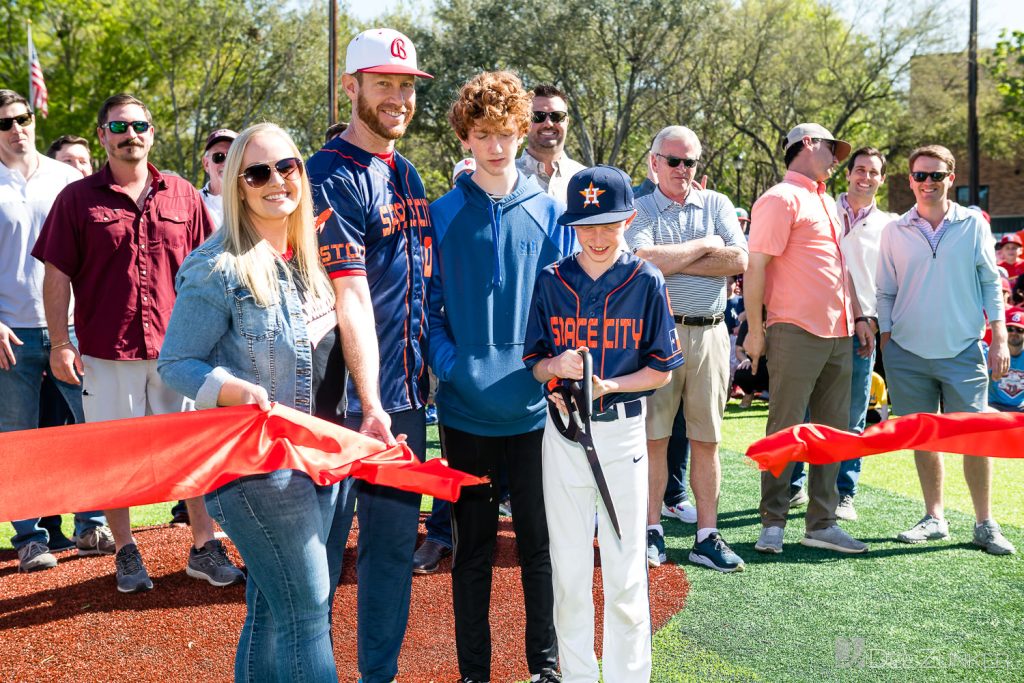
x=369 y=117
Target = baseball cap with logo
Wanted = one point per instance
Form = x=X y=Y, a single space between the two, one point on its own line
x=464 y=166
x=742 y=215
x=1010 y=238
x=218 y=135
x=598 y=196
x=1015 y=317
x=382 y=51
x=813 y=130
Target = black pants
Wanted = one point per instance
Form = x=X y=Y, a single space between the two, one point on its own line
x=474 y=532
x=751 y=383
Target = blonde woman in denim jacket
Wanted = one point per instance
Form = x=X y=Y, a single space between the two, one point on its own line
x=253 y=322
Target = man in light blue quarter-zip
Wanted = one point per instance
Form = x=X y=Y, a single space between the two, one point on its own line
x=492 y=236
x=936 y=274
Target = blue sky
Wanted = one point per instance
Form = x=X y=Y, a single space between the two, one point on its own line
x=993 y=15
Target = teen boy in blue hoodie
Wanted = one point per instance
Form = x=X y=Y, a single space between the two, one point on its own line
x=492 y=236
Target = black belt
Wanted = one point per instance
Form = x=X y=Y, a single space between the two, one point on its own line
x=698 y=320
x=631 y=409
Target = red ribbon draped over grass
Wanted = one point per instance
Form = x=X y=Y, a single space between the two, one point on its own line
x=999 y=435
x=139 y=461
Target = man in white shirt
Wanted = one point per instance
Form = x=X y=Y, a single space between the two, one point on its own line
x=29 y=183
x=217 y=145
x=544 y=156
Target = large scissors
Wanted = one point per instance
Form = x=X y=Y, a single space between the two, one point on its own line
x=578 y=398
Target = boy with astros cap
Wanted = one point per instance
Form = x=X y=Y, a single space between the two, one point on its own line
x=614 y=304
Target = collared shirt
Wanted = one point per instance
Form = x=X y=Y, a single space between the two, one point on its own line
x=24 y=205
x=796 y=223
x=933 y=235
x=660 y=220
x=850 y=217
x=122 y=260
x=214 y=204
x=556 y=184
x=859 y=244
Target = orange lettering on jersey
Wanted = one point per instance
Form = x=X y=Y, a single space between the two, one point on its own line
x=386 y=219
x=428 y=257
x=556 y=330
x=322 y=218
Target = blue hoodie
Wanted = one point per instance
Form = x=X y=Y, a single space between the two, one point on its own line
x=486 y=257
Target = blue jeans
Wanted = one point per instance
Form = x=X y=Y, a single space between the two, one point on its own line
x=388 y=528
x=439 y=523
x=279 y=523
x=678 y=453
x=23 y=402
x=860 y=393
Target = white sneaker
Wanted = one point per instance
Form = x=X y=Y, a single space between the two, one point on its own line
x=684 y=512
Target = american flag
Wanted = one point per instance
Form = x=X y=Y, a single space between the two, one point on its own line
x=36 y=84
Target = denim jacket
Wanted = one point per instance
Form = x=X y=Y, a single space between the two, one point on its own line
x=217 y=330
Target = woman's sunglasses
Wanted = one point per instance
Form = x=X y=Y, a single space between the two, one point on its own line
x=21 y=119
x=119 y=127
x=258 y=175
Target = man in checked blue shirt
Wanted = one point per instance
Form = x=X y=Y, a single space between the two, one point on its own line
x=692 y=236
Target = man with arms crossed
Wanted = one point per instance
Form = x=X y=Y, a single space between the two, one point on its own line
x=692 y=236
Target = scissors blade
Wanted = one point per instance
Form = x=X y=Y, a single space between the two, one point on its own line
x=585 y=440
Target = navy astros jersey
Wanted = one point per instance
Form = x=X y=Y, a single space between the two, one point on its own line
x=623 y=317
x=371 y=220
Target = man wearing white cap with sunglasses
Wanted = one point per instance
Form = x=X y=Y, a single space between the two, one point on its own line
x=372 y=214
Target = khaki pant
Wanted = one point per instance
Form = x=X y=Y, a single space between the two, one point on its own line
x=806 y=373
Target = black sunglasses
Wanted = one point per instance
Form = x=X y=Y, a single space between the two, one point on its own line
x=921 y=176
x=258 y=175
x=21 y=119
x=831 y=144
x=119 y=127
x=218 y=157
x=554 y=116
x=673 y=162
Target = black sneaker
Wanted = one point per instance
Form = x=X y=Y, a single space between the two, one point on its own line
x=57 y=540
x=132 y=576
x=212 y=564
x=655 y=548
x=179 y=514
x=714 y=553
x=549 y=676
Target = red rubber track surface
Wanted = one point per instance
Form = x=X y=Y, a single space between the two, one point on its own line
x=71 y=624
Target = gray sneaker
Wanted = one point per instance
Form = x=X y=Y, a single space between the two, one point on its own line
x=34 y=556
x=212 y=564
x=833 y=538
x=928 y=529
x=96 y=541
x=845 y=509
x=770 y=540
x=989 y=536
x=132 y=576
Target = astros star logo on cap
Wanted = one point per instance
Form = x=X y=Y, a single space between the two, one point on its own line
x=590 y=195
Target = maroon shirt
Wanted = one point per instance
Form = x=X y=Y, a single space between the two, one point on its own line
x=122 y=261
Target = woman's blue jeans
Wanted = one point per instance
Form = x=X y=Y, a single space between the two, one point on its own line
x=279 y=522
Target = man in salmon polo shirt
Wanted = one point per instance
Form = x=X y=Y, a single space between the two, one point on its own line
x=796 y=271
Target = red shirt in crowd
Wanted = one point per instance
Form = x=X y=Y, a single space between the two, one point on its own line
x=122 y=260
x=1013 y=269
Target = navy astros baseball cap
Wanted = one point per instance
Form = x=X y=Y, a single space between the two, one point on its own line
x=597 y=196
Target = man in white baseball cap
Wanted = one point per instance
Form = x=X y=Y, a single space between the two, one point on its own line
x=371 y=210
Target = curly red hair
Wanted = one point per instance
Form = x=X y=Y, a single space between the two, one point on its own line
x=493 y=100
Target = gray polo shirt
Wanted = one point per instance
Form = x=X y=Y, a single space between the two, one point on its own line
x=660 y=221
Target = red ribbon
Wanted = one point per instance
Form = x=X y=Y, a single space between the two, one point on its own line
x=139 y=461
x=998 y=435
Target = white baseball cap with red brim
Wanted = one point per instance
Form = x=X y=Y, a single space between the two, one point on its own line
x=382 y=51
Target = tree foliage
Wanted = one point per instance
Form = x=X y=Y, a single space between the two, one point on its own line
x=1006 y=66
